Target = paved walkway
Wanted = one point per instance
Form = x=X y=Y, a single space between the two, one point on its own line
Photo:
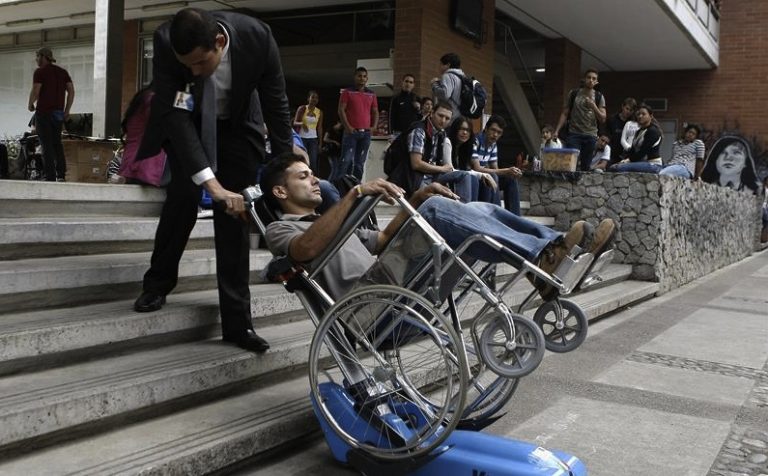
x=675 y=386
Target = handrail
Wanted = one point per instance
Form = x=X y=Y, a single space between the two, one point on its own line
x=508 y=32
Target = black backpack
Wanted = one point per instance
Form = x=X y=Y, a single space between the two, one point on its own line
x=472 y=98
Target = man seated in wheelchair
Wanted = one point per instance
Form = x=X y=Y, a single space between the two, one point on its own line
x=290 y=187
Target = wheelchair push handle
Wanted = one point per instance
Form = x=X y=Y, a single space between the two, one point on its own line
x=251 y=194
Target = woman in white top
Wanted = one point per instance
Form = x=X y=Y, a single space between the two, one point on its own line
x=308 y=122
x=628 y=134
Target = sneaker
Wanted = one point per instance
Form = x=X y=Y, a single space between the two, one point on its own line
x=580 y=235
x=604 y=235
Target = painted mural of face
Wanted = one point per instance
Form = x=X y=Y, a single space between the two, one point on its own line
x=730 y=163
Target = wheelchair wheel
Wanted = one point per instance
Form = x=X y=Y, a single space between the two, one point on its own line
x=393 y=354
x=511 y=358
x=487 y=392
x=569 y=333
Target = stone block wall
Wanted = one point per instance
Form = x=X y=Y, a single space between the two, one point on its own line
x=670 y=230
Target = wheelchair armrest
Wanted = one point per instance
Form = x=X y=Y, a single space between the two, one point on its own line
x=362 y=208
x=279 y=269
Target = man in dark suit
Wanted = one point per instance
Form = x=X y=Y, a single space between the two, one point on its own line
x=217 y=79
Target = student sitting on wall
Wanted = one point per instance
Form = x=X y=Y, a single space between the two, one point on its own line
x=644 y=155
x=687 y=155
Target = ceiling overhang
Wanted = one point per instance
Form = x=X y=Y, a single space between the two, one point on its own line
x=623 y=35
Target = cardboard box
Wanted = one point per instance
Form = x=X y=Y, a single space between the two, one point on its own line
x=560 y=160
x=87 y=160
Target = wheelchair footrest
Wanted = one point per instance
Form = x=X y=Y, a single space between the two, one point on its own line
x=594 y=277
x=571 y=270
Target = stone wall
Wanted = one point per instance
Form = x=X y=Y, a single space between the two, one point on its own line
x=670 y=230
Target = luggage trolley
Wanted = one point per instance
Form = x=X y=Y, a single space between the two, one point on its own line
x=392 y=363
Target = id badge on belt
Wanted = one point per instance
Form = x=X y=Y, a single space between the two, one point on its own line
x=184 y=100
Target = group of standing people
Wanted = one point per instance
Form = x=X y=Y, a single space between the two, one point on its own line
x=631 y=141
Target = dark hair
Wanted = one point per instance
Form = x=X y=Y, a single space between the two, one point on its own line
x=311 y=92
x=548 y=128
x=498 y=120
x=361 y=68
x=607 y=138
x=409 y=75
x=646 y=107
x=461 y=154
x=631 y=102
x=442 y=103
x=695 y=128
x=193 y=28
x=748 y=175
x=274 y=174
x=451 y=59
x=590 y=70
x=428 y=98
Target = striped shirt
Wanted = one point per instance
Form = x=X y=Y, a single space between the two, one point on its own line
x=483 y=153
x=686 y=153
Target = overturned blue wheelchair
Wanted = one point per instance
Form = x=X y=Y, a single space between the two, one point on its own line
x=407 y=368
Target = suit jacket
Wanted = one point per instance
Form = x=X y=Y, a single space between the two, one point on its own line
x=257 y=95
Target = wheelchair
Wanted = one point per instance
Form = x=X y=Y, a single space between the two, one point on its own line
x=422 y=345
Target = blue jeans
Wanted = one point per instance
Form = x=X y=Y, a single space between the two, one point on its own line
x=456 y=221
x=676 y=170
x=354 y=151
x=642 y=167
x=465 y=184
x=586 y=145
x=508 y=186
x=311 y=146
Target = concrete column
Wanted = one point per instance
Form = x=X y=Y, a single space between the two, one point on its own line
x=563 y=63
x=108 y=67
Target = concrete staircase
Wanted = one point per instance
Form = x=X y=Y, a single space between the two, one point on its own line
x=88 y=386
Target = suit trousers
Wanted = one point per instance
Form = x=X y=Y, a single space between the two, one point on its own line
x=238 y=161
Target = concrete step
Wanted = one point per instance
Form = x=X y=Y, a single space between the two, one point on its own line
x=21 y=198
x=39 y=237
x=52 y=402
x=71 y=280
x=40 y=339
x=194 y=441
x=598 y=303
x=58 y=336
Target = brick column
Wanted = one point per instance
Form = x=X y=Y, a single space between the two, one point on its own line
x=563 y=63
x=423 y=34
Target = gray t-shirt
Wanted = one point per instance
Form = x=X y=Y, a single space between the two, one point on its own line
x=582 y=118
x=343 y=271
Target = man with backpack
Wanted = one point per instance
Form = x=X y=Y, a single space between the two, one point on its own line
x=583 y=113
x=465 y=95
x=416 y=158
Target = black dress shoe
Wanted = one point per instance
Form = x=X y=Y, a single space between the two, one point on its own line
x=148 y=302
x=248 y=340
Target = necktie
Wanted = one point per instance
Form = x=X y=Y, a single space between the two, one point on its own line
x=208 y=121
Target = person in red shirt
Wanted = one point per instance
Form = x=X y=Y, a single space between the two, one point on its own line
x=50 y=85
x=359 y=113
